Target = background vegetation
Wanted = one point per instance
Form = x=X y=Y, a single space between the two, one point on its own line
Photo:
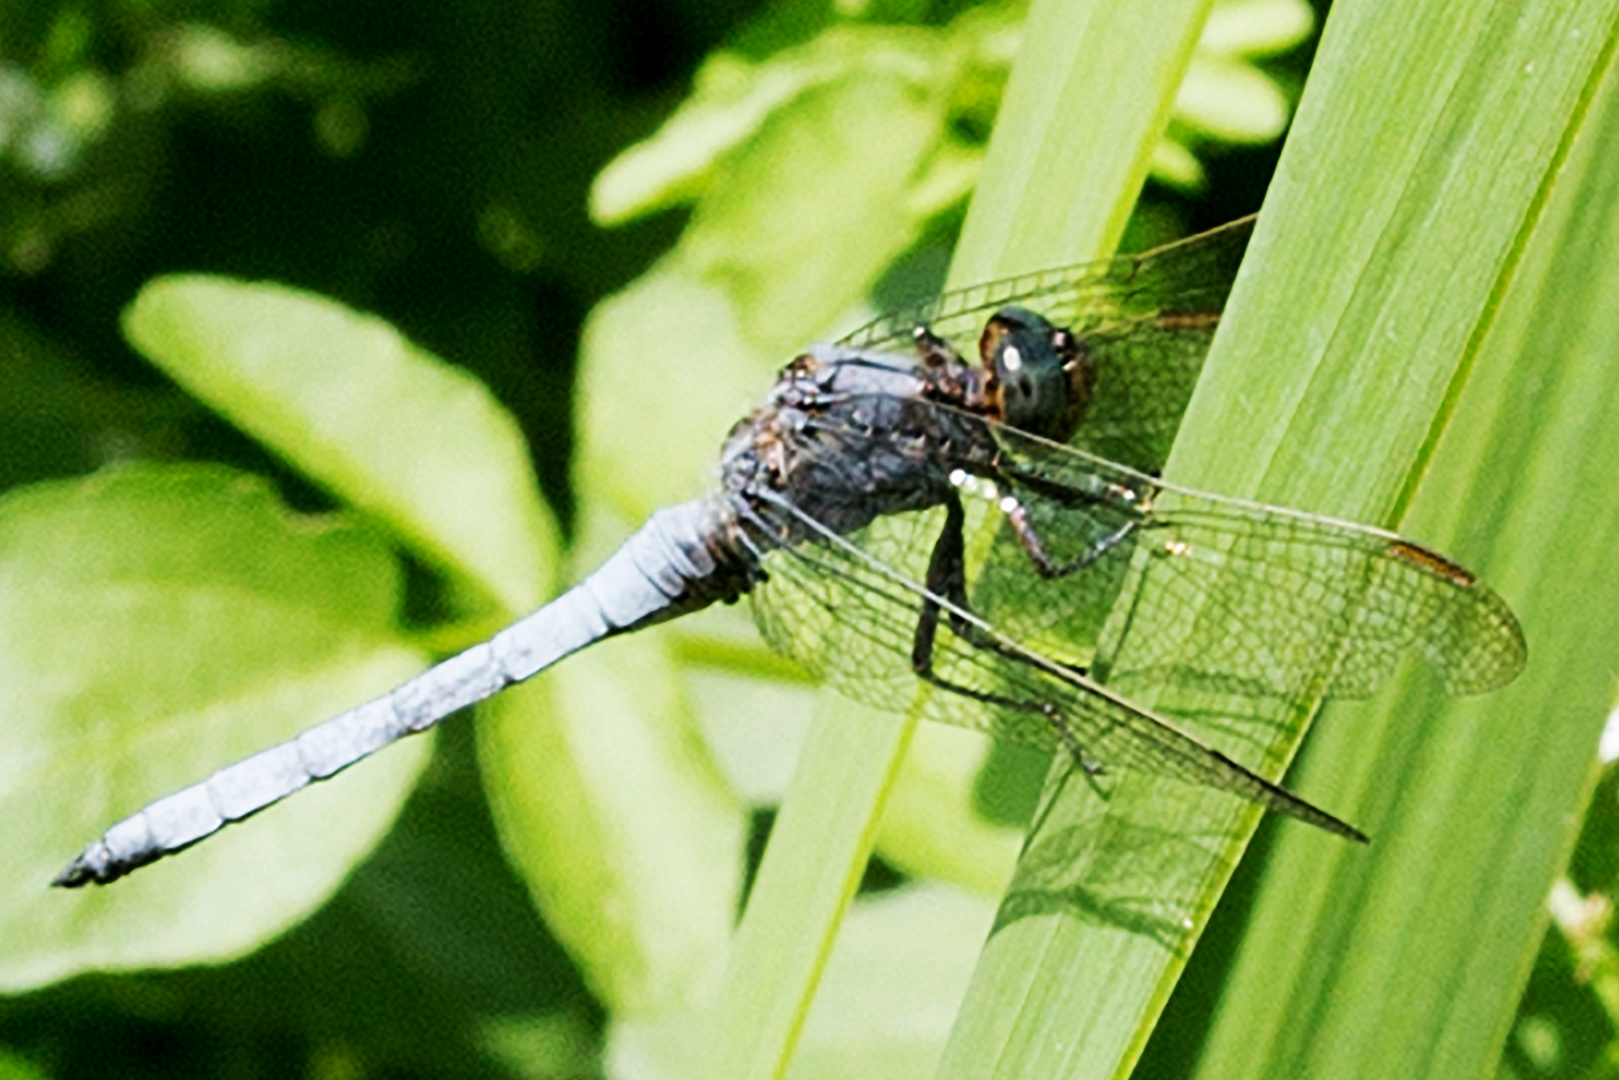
x=484 y=178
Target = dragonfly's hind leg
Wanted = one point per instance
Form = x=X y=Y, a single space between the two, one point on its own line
x=947 y=579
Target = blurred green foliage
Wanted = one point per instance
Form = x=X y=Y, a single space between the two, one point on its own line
x=453 y=167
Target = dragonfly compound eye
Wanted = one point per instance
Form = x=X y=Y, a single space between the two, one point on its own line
x=1032 y=369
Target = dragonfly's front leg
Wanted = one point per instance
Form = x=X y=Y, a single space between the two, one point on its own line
x=947 y=578
x=934 y=350
x=953 y=379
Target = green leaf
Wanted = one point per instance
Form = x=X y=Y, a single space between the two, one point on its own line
x=892 y=984
x=382 y=424
x=809 y=217
x=1255 y=28
x=1089 y=96
x=1414 y=954
x=821 y=841
x=817 y=853
x=1351 y=331
x=616 y=817
x=735 y=102
x=932 y=824
x=636 y=453
x=644 y=898
x=16 y=1067
x=1231 y=101
x=155 y=625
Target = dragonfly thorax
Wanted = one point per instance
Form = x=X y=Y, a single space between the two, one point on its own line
x=848 y=436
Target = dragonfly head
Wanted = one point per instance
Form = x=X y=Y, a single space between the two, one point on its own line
x=1040 y=375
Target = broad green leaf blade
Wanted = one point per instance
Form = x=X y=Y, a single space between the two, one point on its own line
x=817 y=208
x=1295 y=380
x=891 y=987
x=1463 y=145
x=756 y=276
x=1089 y=96
x=736 y=100
x=1255 y=27
x=1413 y=955
x=893 y=984
x=803 y=888
x=1064 y=988
x=933 y=826
x=14 y=1066
x=817 y=853
x=860 y=776
x=379 y=422
x=155 y=625
x=1231 y=100
x=636 y=453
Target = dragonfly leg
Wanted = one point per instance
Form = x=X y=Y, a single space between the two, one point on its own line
x=1115 y=500
x=935 y=350
x=953 y=380
x=947 y=578
x=1028 y=538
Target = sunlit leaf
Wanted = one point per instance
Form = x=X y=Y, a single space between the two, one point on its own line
x=158 y=624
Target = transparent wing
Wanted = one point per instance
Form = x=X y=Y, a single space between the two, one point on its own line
x=1230 y=613
x=842 y=611
x=1146 y=319
x=1249 y=599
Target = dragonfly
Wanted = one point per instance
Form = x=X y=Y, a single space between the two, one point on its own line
x=985 y=540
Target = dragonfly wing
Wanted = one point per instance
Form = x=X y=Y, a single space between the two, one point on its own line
x=1146 y=320
x=1261 y=601
x=1247 y=598
x=836 y=606
x=1146 y=371
x=1187 y=277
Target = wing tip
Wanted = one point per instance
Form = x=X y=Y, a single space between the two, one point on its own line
x=1278 y=798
